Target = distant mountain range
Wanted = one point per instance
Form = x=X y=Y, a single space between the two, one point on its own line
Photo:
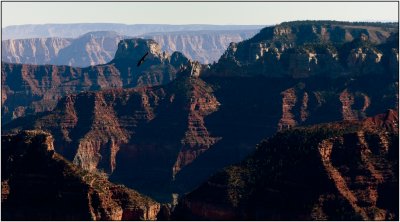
x=204 y=46
x=76 y=30
x=90 y=49
x=99 y=47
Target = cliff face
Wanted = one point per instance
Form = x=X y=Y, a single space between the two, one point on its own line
x=29 y=89
x=39 y=184
x=159 y=130
x=94 y=48
x=203 y=46
x=286 y=50
x=180 y=133
x=303 y=49
x=90 y=49
x=252 y=108
x=355 y=164
x=192 y=127
x=197 y=139
x=32 y=51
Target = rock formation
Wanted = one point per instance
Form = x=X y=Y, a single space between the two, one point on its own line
x=334 y=171
x=179 y=133
x=333 y=50
x=39 y=184
x=29 y=89
x=95 y=48
x=172 y=132
x=303 y=49
x=90 y=49
x=197 y=139
x=32 y=51
x=108 y=129
x=203 y=46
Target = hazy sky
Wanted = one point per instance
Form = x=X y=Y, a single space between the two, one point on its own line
x=263 y=13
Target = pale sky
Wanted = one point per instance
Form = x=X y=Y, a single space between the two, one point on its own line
x=224 y=13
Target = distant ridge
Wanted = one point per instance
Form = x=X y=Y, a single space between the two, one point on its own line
x=75 y=30
x=99 y=47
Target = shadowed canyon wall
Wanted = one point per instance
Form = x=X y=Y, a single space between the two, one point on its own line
x=199 y=119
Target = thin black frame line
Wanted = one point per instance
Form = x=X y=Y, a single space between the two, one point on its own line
x=209 y=1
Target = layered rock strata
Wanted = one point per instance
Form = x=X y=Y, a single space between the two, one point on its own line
x=335 y=171
x=39 y=184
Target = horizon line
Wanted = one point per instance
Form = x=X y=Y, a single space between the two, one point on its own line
x=116 y=23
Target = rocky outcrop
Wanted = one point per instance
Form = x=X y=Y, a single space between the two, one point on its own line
x=194 y=125
x=99 y=47
x=347 y=101
x=363 y=55
x=107 y=130
x=389 y=121
x=289 y=101
x=300 y=105
x=350 y=101
x=169 y=138
x=280 y=51
x=203 y=46
x=94 y=136
x=30 y=89
x=355 y=164
x=309 y=48
x=197 y=139
x=39 y=184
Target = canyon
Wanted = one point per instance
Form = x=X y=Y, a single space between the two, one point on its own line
x=39 y=184
x=99 y=47
x=27 y=89
x=354 y=162
x=167 y=128
x=203 y=46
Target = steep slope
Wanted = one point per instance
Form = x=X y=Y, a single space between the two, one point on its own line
x=336 y=171
x=257 y=99
x=32 y=88
x=39 y=184
x=192 y=127
x=252 y=108
x=158 y=130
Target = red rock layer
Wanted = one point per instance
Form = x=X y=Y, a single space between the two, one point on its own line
x=336 y=171
x=197 y=139
x=39 y=184
x=29 y=89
